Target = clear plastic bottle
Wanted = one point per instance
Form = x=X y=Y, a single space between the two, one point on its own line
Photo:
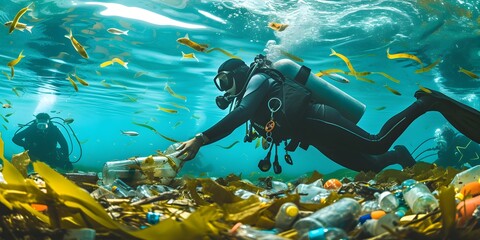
x=376 y=227
x=418 y=197
x=341 y=214
x=121 y=189
x=467 y=176
x=131 y=171
x=248 y=232
x=143 y=191
x=387 y=201
x=325 y=234
x=286 y=215
x=311 y=193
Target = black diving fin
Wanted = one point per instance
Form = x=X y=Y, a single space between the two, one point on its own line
x=464 y=118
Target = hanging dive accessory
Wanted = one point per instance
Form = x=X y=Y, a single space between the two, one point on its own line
x=288 y=158
x=265 y=164
x=276 y=165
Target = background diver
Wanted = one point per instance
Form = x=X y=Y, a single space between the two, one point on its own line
x=40 y=138
x=250 y=92
x=453 y=149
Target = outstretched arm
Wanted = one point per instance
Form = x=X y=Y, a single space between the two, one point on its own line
x=257 y=89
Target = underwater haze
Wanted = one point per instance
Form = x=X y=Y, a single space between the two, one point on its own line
x=445 y=33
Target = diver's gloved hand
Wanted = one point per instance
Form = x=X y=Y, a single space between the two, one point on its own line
x=189 y=148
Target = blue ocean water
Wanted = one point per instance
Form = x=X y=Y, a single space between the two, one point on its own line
x=117 y=97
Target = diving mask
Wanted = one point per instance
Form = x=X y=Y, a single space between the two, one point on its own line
x=42 y=124
x=224 y=80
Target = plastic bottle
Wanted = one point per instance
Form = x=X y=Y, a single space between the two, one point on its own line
x=467 y=176
x=143 y=191
x=308 y=193
x=244 y=231
x=244 y=194
x=418 y=197
x=376 y=227
x=121 y=189
x=286 y=215
x=386 y=201
x=342 y=214
x=165 y=168
x=325 y=234
x=369 y=206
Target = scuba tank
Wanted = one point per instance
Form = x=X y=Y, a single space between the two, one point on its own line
x=322 y=91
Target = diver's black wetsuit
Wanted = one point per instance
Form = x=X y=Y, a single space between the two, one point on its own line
x=325 y=128
x=43 y=145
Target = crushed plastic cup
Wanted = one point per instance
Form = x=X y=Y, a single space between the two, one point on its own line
x=465 y=177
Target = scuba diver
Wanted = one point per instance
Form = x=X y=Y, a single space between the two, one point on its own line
x=40 y=138
x=453 y=149
x=280 y=110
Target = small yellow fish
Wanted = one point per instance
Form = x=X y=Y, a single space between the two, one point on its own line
x=177 y=124
x=167 y=110
x=332 y=76
x=328 y=71
x=105 y=84
x=380 y=108
x=392 y=90
x=179 y=106
x=6 y=75
x=72 y=82
x=257 y=143
x=345 y=59
x=429 y=67
x=20 y=26
x=106 y=63
x=81 y=81
x=17 y=17
x=6 y=105
x=222 y=51
x=195 y=116
x=68 y=120
x=14 y=62
x=187 y=42
x=121 y=62
x=139 y=74
x=78 y=47
x=291 y=56
x=15 y=90
x=468 y=73
x=117 y=31
x=388 y=76
x=424 y=88
x=403 y=55
x=365 y=80
x=277 y=26
x=169 y=90
x=189 y=55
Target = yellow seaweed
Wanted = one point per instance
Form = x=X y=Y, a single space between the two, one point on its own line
x=448 y=209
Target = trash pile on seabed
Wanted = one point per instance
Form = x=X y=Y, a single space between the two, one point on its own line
x=423 y=202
